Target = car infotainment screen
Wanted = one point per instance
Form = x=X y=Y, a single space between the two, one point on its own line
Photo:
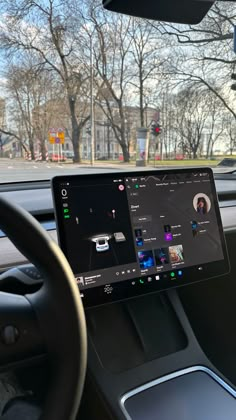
x=126 y=234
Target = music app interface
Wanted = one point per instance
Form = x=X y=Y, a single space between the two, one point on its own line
x=174 y=222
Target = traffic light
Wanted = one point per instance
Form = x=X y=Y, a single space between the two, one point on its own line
x=155 y=129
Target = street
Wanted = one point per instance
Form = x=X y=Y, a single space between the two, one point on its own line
x=20 y=170
x=16 y=170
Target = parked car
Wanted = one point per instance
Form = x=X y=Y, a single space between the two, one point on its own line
x=69 y=154
x=55 y=157
x=227 y=165
x=227 y=162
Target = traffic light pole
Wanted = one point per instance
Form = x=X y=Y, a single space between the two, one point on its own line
x=161 y=148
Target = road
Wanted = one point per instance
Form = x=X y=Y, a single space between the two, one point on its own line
x=19 y=170
x=15 y=170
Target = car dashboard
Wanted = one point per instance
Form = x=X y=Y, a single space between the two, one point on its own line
x=36 y=197
x=139 y=347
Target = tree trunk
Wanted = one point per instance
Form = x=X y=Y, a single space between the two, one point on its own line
x=75 y=129
x=31 y=147
x=76 y=146
x=208 y=149
x=125 y=152
x=43 y=149
x=194 y=153
x=211 y=154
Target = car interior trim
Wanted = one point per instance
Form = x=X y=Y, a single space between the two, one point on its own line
x=169 y=377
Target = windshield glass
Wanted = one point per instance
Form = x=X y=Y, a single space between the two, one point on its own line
x=84 y=89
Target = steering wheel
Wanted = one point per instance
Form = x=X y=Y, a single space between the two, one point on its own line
x=50 y=320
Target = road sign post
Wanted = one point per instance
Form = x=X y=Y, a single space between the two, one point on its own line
x=57 y=136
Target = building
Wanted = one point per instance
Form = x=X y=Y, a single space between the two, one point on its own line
x=55 y=114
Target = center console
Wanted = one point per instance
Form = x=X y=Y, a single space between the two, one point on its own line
x=131 y=240
x=193 y=393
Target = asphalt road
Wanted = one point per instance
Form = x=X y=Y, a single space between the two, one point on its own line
x=17 y=170
x=12 y=170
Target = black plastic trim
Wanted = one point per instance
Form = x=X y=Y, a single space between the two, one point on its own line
x=29 y=185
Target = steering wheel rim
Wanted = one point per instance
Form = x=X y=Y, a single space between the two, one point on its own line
x=57 y=310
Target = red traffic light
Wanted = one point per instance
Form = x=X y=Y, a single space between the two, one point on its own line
x=155 y=129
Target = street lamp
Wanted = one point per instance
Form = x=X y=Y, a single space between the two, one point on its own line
x=90 y=34
x=146 y=113
x=91 y=101
x=107 y=135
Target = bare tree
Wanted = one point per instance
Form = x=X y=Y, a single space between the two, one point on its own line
x=111 y=53
x=19 y=86
x=215 y=123
x=216 y=27
x=191 y=119
x=29 y=87
x=230 y=131
x=146 y=57
x=46 y=29
x=10 y=134
x=204 y=52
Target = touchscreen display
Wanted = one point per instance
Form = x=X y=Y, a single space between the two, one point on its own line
x=126 y=234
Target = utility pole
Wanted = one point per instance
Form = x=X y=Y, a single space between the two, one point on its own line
x=108 y=141
x=91 y=103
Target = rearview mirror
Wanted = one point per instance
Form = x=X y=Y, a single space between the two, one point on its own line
x=177 y=11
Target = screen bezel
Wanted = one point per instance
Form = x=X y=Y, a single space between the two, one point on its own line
x=123 y=290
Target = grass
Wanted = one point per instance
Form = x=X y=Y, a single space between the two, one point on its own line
x=186 y=162
x=158 y=163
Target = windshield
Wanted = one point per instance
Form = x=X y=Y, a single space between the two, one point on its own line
x=84 y=89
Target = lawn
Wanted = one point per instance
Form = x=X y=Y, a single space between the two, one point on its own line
x=186 y=162
x=158 y=163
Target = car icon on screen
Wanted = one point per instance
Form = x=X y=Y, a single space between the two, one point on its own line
x=102 y=244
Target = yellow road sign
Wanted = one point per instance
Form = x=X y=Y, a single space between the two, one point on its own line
x=52 y=138
x=61 y=136
x=56 y=135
